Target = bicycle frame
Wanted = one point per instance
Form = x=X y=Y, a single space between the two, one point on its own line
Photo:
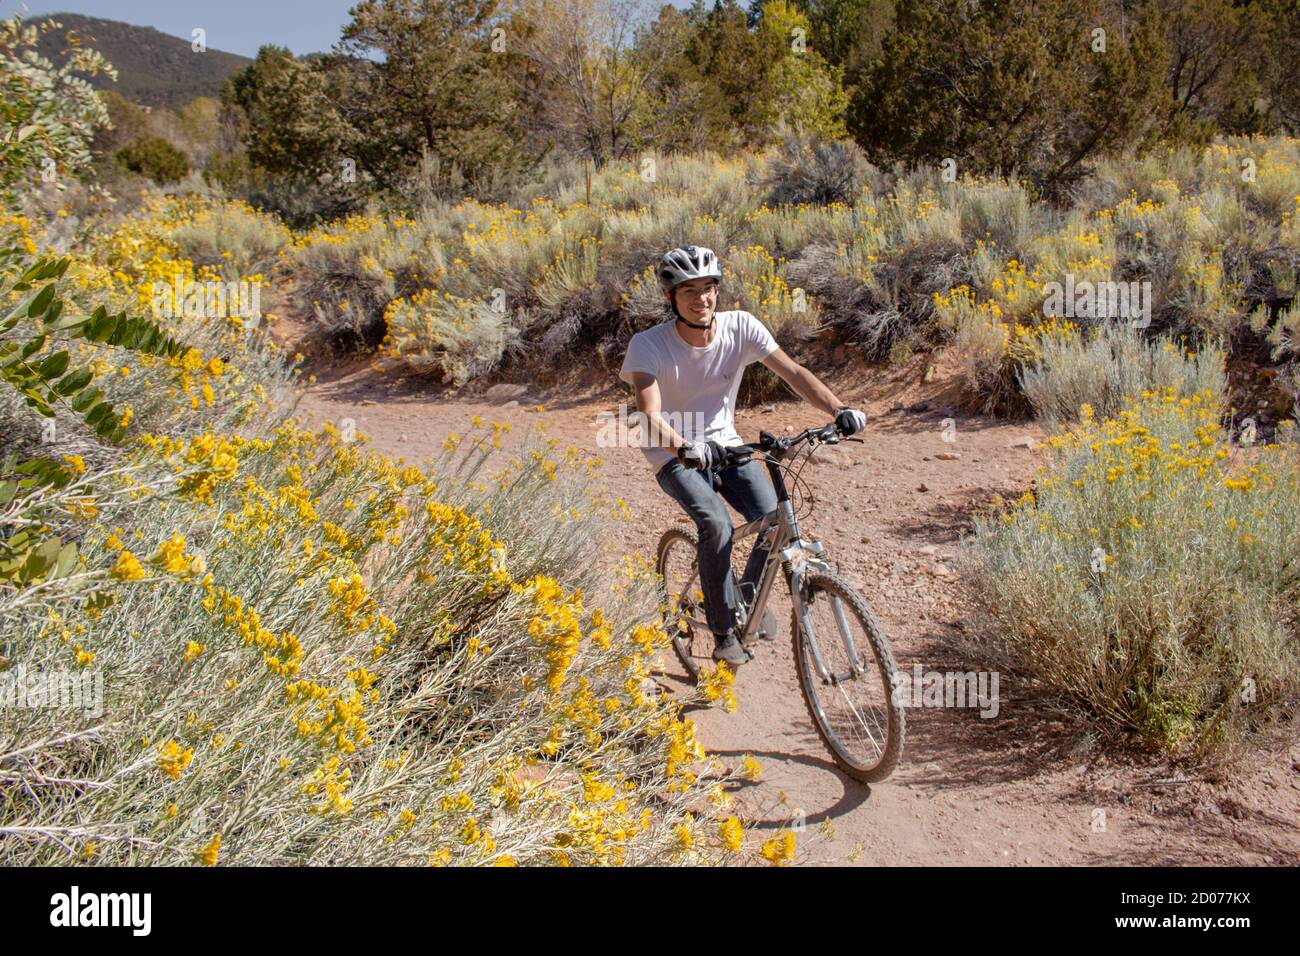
x=796 y=556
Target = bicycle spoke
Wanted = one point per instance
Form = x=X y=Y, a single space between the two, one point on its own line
x=878 y=747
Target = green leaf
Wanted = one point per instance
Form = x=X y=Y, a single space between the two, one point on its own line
x=66 y=561
x=34 y=272
x=74 y=381
x=42 y=472
x=67 y=323
x=102 y=325
x=40 y=560
x=33 y=346
x=33 y=466
x=53 y=312
x=21 y=541
x=42 y=300
x=86 y=399
x=37 y=401
x=128 y=334
x=96 y=414
x=54 y=366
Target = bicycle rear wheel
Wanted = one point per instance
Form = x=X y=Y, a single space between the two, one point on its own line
x=683 y=601
x=850 y=697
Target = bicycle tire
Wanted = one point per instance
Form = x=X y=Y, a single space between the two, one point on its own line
x=829 y=583
x=680 y=640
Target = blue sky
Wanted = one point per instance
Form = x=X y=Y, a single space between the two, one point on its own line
x=236 y=26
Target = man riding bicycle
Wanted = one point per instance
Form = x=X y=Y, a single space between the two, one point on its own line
x=686 y=373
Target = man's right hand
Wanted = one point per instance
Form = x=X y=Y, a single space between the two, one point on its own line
x=701 y=454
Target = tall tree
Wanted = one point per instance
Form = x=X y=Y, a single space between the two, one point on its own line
x=736 y=65
x=595 y=75
x=682 y=110
x=1284 y=77
x=424 y=77
x=289 y=122
x=807 y=94
x=1001 y=86
x=1215 y=66
x=849 y=33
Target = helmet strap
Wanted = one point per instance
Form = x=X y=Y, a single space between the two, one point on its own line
x=700 y=327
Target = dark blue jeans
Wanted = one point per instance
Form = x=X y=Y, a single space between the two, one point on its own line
x=748 y=489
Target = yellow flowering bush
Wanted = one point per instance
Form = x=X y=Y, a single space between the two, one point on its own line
x=460 y=338
x=1150 y=575
x=1112 y=364
x=993 y=345
x=312 y=653
x=755 y=282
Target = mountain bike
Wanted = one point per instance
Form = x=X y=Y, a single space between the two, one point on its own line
x=846 y=669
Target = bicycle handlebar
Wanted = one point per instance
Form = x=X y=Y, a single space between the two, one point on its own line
x=780 y=448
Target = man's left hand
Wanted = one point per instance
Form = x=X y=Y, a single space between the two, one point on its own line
x=850 y=420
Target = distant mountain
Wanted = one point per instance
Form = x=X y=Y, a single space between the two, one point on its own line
x=153 y=69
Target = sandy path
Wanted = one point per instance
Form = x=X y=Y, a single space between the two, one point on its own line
x=1023 y=788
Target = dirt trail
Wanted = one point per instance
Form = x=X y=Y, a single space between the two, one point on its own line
x=1025 y=787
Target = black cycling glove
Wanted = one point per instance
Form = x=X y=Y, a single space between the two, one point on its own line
x=701 y=454
x=850 y=420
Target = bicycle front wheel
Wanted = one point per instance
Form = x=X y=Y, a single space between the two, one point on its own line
x=846 y=672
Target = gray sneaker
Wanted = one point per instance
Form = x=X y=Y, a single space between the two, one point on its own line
x=727 y=648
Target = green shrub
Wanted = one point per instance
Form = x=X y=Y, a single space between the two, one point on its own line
x=997 y=211
x=154 y=157
x=754 y=281
x=346 y=273
x=49 y=114
x=1112 y=365
x=811 y=169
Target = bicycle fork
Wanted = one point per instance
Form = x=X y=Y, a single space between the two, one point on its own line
x=797 y=571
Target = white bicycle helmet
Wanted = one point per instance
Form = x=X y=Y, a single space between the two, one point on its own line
x=685 y=263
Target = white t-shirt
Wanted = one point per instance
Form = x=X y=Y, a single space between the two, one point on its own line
x=698 y=386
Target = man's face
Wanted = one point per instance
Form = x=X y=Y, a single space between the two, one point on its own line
x=697 y=299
